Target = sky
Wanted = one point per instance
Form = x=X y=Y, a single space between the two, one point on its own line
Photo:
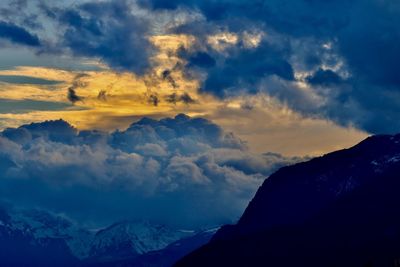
x=264 y=83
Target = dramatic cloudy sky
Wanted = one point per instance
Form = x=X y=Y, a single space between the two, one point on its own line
x=264 y=82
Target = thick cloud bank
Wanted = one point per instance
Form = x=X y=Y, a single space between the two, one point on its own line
x=344 y=52
x=180 y=170
x=333 y=59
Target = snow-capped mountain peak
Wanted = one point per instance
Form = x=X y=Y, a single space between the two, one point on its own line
x=121 y=240
x=135 y=237
x=44 y=225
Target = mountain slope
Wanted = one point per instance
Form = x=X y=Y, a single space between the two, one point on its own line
x=337 y=210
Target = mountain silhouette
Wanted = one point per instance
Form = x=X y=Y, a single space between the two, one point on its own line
x=341 y=209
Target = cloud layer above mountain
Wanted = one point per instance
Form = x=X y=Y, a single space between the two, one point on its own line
x=344 y=52
x=181 y=170
x=331 y=59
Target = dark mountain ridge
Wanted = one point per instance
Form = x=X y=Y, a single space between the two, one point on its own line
x=341 y=209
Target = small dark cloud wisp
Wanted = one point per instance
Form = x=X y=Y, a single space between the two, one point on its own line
x=175 y=98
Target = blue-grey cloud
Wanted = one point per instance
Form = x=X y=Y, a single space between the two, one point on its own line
x=20 y=13
x=361 y=37
x=348 y=49
x=180 y=170
x=200 y=59
x=17 y=34
x=324 y=78
x=20 y=79
x=26 y=105
x=108 y=30
x=244 y=69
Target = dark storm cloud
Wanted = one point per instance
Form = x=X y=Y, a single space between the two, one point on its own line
x=106 y=30
x=18 y=35
x=348 y=49
x=363 y=35
x=244 y=69
x=111 y=31
x=213 y=10
x=324 y=77
x=178 y=170
x=201 y=59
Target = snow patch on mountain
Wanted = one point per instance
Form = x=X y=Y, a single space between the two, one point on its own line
x=43 y=225
x=123 y=239
x=141 y=236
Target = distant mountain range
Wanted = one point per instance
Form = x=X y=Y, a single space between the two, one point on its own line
x=38 y=238
x=342 y=209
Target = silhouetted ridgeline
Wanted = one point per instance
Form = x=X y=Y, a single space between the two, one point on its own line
x=341 y=209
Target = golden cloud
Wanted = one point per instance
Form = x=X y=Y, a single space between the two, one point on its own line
x=108 y=100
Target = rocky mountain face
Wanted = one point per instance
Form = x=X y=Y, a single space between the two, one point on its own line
x=341 y=209
x=39 y=238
